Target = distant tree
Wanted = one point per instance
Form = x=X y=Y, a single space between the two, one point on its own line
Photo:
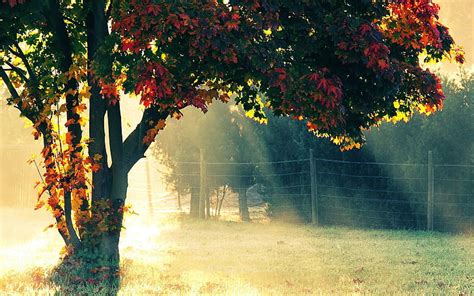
x=226 y=139
x=341 y=66
x=449 y=133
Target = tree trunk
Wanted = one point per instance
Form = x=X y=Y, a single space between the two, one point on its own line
x=208 y=203
x=108 y=250
x=194 y=204
x=243 y=208
x=108 y=245
x=221 y=201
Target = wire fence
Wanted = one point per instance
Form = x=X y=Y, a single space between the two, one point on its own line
x=337 y=192
x=322 y=191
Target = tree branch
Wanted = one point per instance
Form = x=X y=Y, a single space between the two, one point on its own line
x=14 y=93
x=33 y=80
x=13 y=51
x=115 y=133
x=18 y=71
x=134 y=147
x=96 y=24
x=74 y=239
x=62 y=44
x=41 y=128
x=109 y=9
x=22 y=56
x=119 y=179
x=61 y=40
x=74 y=22
x=9 y=84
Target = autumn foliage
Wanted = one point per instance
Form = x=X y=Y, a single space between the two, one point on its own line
x=339 y=70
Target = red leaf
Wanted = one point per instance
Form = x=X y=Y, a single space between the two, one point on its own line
x=153 y=9
x=323 y=84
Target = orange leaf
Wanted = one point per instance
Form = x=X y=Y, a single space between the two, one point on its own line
x=39 y=205
x=69 y=122
x=57 y=213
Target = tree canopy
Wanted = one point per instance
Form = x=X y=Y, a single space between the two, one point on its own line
x=342 y=66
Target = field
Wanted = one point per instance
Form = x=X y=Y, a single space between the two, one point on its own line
x=171 y=254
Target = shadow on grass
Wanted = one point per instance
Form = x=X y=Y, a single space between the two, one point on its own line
x=77 y=277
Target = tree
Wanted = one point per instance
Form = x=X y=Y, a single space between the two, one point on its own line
x=224 y=138
x=341 y=66
x=449 y=134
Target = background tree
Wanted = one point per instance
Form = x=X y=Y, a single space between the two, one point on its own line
x=225 y=137
x=341 y=66
x=223 y=132
x=449 y=134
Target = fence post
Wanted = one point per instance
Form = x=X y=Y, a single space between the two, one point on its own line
x=429 y=214
x=314 y=189
x=202 y=185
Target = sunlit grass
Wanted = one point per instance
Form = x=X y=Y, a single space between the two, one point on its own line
x=181 y=256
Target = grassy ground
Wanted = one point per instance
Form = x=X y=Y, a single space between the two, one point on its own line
x=179 y=256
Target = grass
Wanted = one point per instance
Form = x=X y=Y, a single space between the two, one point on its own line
x=179 y=256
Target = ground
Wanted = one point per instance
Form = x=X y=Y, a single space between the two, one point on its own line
x=170 y=254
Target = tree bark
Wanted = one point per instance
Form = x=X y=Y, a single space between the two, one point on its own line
x=109 y=184
x=108 y=247
x=96 y=24
x=194 y=204
x=221 y=201
x=208 y=203
x=243 y=207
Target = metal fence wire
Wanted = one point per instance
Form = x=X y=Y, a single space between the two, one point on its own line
x=423 y=196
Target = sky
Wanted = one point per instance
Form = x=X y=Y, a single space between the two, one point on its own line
x=458 y=16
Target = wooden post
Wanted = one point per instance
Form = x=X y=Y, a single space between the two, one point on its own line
x=202 y=185
x=430 y=205
x=314 y=189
